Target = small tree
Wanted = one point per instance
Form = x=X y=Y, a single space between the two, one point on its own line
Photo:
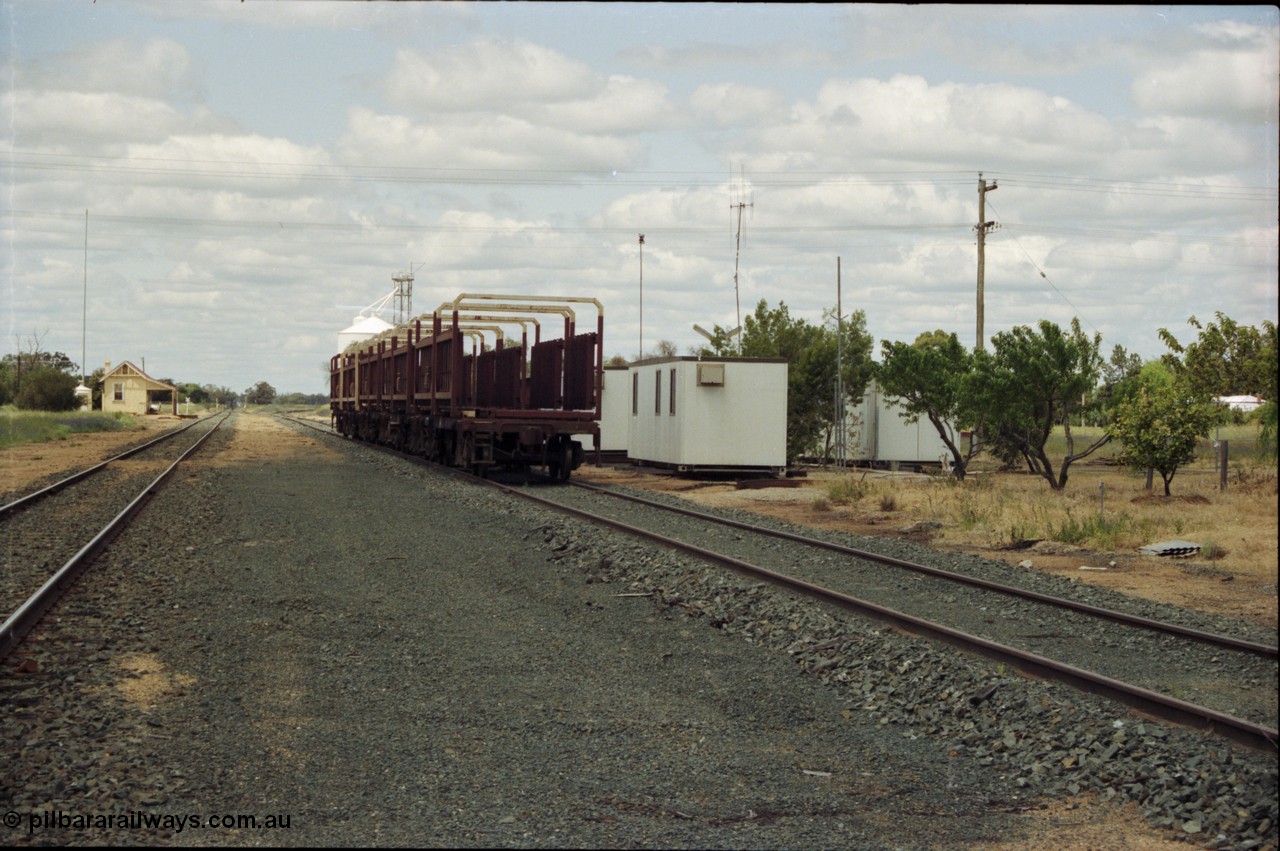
x=46 y=388
x=261 y=393
x=1031 y=382
x=1159 y=427
x=927 y=378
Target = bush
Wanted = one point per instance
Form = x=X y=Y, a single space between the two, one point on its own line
x=48 y=389
x=846 y=489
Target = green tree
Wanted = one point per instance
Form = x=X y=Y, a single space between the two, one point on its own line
x=223 y=397
x=47 y=388
x=8 y=383
x=1119 y=381
x=94 y=381
x=34 y=359
x=1158 y=425
x=928 y=379
x=811 y=352
x=192 y=392
x=261 y=393
x=1229 y=359
x=15 y=369
x=1226 y=359
x=1031 y=382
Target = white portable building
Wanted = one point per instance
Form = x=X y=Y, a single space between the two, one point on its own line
x=879 y=436
x=615 y=413
x=708 y=414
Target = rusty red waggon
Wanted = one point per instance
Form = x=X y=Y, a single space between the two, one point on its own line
x=455 y=385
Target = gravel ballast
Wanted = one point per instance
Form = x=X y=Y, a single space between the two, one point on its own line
x=388 y=656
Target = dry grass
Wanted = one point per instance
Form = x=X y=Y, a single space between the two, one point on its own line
x=1103 y=508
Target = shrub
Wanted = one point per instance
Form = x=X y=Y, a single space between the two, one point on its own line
x=48 y=389
x=846 y=489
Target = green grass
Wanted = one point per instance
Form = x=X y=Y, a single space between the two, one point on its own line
x=19 y=427
x=1243 y=440
x=1099 y=532
x=846 y=490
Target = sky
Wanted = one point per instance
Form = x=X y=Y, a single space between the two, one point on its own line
x=217 y=188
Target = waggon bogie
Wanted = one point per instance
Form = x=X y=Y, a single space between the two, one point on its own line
x=512 y=405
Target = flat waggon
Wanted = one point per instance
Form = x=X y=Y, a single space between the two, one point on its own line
x=454 y=386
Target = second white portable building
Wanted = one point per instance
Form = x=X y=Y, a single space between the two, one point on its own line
x=881 y=437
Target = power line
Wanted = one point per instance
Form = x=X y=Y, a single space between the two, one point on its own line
x=1043 y=275
x=1199 y=190
x=278 y=224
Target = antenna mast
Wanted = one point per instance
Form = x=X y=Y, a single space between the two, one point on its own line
x=737 y=251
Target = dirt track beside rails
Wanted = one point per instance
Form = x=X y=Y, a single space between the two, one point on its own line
x=286 y=730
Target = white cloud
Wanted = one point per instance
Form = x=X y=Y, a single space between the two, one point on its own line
x=87 y=122
x=156 y=68
x=728 y=104
x=526 y=82
x=1236 y=83
x=483 y=141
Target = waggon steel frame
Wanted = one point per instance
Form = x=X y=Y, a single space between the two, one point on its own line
x=416 y=387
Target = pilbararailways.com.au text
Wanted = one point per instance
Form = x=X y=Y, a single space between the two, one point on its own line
x=50 y=820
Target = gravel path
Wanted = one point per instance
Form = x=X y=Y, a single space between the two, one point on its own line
x=385 y=656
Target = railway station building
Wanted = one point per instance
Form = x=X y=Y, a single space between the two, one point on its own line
x=129 y=390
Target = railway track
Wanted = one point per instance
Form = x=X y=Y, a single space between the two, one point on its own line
x=1231 y=681
x=53 y=535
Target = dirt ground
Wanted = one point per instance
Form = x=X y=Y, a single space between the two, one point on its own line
x=1077 y=824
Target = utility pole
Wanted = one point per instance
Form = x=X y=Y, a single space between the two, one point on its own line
x=983 y=228
x=84 y=309
x=641 y=355
x=737 y=251
x=840 y=447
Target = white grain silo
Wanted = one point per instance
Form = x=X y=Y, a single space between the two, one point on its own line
x=362 y=328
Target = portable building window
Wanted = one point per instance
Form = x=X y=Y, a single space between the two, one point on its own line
x=657 y=391
x=635 y=393
x=672 y=391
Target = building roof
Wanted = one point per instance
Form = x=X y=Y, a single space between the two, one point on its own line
x=128 y=368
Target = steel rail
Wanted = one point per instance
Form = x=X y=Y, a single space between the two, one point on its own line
x=35 y=497
x=27 y=615
x=1036 y=596
x=1242 y=731
x=1161 y=706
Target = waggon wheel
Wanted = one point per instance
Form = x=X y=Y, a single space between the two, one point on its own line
x=469 y=456
x=565 y=451
x=559 y=458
